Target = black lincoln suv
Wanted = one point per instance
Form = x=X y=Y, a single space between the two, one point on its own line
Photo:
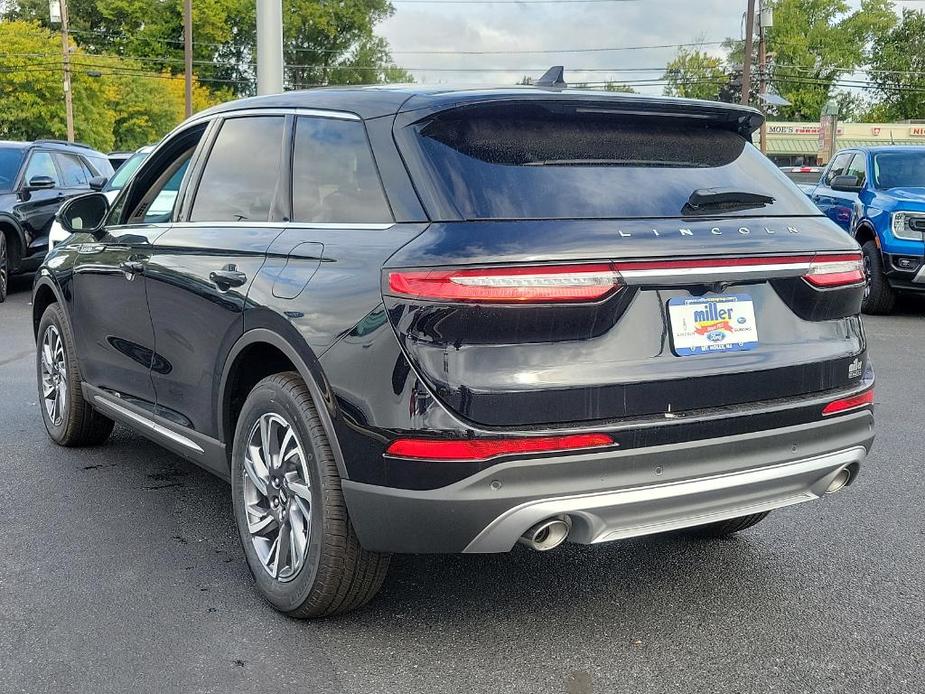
x=425 y=320
x=35 y=178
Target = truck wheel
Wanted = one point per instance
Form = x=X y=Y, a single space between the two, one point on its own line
x=69 y=419
x=290 y=511
x=879 y=297
x=727 y=527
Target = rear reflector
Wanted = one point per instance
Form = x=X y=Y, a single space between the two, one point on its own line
x=854 y=402
x=828 y=271
x=537 y=284
x=464 y=450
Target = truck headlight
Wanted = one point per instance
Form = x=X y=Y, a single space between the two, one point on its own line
x=909 y=226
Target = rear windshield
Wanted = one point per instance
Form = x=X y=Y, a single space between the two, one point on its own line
x=513 y=162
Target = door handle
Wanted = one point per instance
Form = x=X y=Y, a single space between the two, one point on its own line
x=132 y=267
x=228 y=277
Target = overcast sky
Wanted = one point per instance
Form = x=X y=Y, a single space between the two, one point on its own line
x=440 y=25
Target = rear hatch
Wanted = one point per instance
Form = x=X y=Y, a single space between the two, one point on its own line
x=595 y=261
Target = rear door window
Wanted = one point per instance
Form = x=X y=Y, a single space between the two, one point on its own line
x=514 y=161
x=241 y=177
x=334 y=178
x=73 y=173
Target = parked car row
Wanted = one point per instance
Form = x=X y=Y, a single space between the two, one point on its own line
x=35 y=179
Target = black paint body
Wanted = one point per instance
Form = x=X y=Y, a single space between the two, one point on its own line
x=168 y=339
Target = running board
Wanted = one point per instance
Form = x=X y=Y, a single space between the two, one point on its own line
x=203 y=450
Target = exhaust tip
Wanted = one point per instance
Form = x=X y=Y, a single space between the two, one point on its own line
x=840 y=481
x=547 y=534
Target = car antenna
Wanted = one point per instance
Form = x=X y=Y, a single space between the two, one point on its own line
x=553 y=77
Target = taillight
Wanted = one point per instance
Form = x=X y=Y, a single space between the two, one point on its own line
x=536 y=284
x=467 y=450
x=846 y=404
x=828 y=271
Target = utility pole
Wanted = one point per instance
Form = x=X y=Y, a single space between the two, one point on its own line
x=188 y=53
x=747 y=60
x=763 y=75
x=269 y=46
x=66 y=48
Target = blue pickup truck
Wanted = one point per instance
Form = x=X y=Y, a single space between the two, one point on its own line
x=877 y=194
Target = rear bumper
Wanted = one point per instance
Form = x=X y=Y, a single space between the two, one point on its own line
x=614 y=495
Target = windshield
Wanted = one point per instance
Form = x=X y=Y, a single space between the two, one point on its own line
x=899 y=169
x=124 y=172
x=533 y=162
x=10 y=161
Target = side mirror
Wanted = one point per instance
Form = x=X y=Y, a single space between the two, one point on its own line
x=40 y=182
x=85 y=213
x=98 y=182
x=846 y=184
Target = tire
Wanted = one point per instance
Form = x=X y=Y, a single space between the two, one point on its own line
x=333 y=573
x=879 y=297
x=727 y=527
x=4 y=267
x=69 y=419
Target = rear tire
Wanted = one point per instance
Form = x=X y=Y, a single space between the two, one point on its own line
x=290 y=488
x=727 y=527
x=69 y=419
x=879 y=297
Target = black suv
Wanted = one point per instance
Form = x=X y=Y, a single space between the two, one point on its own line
x=35 y=178
x=408 y=320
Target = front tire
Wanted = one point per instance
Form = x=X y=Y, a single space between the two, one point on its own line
x=879 y=297
x=290 y=511
x=69 y=419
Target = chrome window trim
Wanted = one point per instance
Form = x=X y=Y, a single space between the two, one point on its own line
x=273 y=111
x=285 y=225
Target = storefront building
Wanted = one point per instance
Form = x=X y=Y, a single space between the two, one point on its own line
x=798 y=144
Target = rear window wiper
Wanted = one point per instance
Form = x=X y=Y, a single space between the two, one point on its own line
x=707 y=200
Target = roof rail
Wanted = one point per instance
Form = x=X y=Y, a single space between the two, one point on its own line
x=49 y=141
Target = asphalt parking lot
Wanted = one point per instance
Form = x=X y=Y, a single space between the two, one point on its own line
x=121 y=571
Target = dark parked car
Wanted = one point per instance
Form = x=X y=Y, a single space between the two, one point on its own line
x=410 y=320
x=35 y=178
x=877 y=194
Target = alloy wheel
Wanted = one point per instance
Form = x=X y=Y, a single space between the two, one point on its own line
x=54 y=375
x=277 y=496
x=4 y=267
x=867 y=275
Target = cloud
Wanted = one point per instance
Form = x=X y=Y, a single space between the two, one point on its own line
x=524 y=27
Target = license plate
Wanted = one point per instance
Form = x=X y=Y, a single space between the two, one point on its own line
x=708 y=324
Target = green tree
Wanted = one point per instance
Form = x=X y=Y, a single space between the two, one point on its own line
x=32 y=93
x=815 y=42
x=618 y=87
x=694 y=74
x=897 y=69
x=324 y=42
